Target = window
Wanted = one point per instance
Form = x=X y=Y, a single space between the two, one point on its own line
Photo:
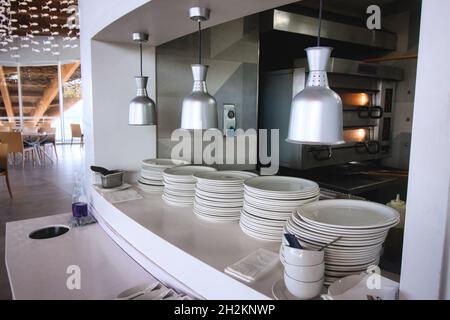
x=42 y=94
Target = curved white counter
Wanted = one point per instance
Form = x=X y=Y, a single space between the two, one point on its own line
x=182 y=250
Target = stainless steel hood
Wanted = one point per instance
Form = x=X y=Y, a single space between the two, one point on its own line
x=306 y=25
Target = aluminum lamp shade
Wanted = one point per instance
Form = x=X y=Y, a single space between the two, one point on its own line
x=199 y=110
x=316 y=111
x=142 y=109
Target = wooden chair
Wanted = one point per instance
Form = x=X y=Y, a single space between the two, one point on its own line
x=51 y=140
x=30 y=129
x=15 y=145
x=76 y=133
x=4 y=165
x=44 y=127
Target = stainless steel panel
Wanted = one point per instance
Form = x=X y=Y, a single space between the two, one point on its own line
x=357 y=68
x=305 y=25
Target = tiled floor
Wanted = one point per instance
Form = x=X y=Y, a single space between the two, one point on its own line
x=38 y=191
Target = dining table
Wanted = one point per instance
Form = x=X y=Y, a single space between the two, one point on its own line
x=35 y=140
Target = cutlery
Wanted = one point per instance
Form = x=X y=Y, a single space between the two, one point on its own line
x=330 y=243
x=101 y=170
x=293 y=241
x=149 y=288
x=370 y=297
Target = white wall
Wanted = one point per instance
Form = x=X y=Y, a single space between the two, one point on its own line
x=425 y=264
x=118 y=145
x=109 y=101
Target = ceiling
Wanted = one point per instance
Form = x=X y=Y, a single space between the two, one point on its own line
x=167 y=20
x=45 y=16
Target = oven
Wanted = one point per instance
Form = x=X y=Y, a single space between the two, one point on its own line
x=367 y=92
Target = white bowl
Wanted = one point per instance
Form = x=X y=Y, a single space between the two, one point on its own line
x=305 y=274
x=303 y=290
x=302 y=257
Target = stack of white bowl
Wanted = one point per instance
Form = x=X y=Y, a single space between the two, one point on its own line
x=303 y=272
x=269 y=202
x=179 y=184
x=219 y=195
x=361 y=227
x=151 y=179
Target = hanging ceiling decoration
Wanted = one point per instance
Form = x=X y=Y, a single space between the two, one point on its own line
x=39 y=26
x=316 y=111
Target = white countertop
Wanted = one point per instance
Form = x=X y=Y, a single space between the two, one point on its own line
x=37 y=268
x=189 y=249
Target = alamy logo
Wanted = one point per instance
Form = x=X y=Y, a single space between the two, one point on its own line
x=73 y=281
x=210 y=147
x=374 y=20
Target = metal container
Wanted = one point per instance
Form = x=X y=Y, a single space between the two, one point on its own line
x=113 y=180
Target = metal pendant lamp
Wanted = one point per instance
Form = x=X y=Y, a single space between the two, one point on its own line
x=142 y=108
x=199 y=110
x=316 y=111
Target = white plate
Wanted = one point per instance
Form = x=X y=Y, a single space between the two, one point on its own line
x=275 y=219
x=259 y=236
x=224 y=177
x=183 y=172
x=295 y=196
x=276 y=202
x=171 y=202
x=219 y=195
x=348 y=214
x=279 y=184
x=147 y=182
x=163 y=163
x=353 y=233
x=217 y=210
x=151 y=176
x=151 y=190
x=266 y=213
x=269 y=232
x=214 y=217
x=218 y=199
x=344 y=241
x=220 y=189
x=280 y=292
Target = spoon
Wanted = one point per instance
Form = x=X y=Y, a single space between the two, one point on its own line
x=330 y=243
x=293 y=241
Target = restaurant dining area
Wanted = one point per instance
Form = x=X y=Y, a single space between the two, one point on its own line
x=208 y=152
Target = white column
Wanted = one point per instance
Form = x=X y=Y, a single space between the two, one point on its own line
x=61 y=101
x=425 y=265
x=19 y=94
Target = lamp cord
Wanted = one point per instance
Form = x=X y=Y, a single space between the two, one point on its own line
x=199 y=42
x=140 y=57
x=320 y=23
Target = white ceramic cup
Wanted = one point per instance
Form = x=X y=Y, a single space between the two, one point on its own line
x=302 y=257
x=305 y=274
x=303 y=290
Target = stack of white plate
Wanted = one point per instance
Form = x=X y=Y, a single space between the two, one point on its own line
x=151 y=179
x=219 y=195
x=270 y=201
x=179 y=184
x=362 y=226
